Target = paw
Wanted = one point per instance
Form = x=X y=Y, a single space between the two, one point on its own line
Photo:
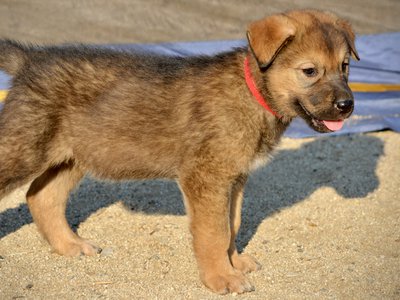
x=234 y=282
x=76 y=248
x=245 y=263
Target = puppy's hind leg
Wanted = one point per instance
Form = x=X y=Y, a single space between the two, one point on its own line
x=20 y=161
x=47 y=199
x=25 y=134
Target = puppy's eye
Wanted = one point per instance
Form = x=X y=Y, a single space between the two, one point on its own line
x=310 y=72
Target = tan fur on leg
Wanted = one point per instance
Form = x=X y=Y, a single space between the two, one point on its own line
x=208 y=203
x=242 y=262
x=47 y=198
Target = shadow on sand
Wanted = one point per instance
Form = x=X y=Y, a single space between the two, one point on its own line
x=290 y=177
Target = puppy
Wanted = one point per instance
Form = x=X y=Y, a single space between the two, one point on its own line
x=205 y=122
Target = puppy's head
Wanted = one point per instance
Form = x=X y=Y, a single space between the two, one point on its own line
x=303 y=59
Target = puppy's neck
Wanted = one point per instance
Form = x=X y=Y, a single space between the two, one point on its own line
x=251 y=84
x=273 y=117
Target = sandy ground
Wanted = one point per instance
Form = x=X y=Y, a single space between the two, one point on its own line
x=323 y=217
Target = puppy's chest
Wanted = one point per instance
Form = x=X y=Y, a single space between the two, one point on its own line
x=264 y=150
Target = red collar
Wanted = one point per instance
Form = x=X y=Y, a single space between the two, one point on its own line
x=253 y=88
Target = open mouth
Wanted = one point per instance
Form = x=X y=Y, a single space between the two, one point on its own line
x=319 y=125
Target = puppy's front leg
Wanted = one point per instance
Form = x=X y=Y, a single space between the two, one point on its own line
x=242 y=262
x=207 y=200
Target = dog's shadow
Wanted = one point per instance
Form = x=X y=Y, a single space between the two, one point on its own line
x=345 y=163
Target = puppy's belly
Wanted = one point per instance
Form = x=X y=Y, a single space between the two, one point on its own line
x=128 y=161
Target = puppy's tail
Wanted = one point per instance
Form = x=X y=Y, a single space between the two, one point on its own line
x=12 y=56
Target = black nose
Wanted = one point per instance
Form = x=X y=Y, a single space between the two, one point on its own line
x=344 y=105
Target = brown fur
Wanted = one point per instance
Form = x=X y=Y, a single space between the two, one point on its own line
x=74 y=110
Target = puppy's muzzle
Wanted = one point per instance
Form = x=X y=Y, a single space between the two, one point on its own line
x=344 y=106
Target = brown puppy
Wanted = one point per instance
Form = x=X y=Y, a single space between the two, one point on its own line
x=204 y=121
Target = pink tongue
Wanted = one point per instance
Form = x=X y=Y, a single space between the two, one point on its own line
x=333 y=125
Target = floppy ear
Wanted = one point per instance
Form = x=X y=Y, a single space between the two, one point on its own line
x=350 y=37
x=268 y=36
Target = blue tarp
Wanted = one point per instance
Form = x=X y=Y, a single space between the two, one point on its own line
x=380 y=63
